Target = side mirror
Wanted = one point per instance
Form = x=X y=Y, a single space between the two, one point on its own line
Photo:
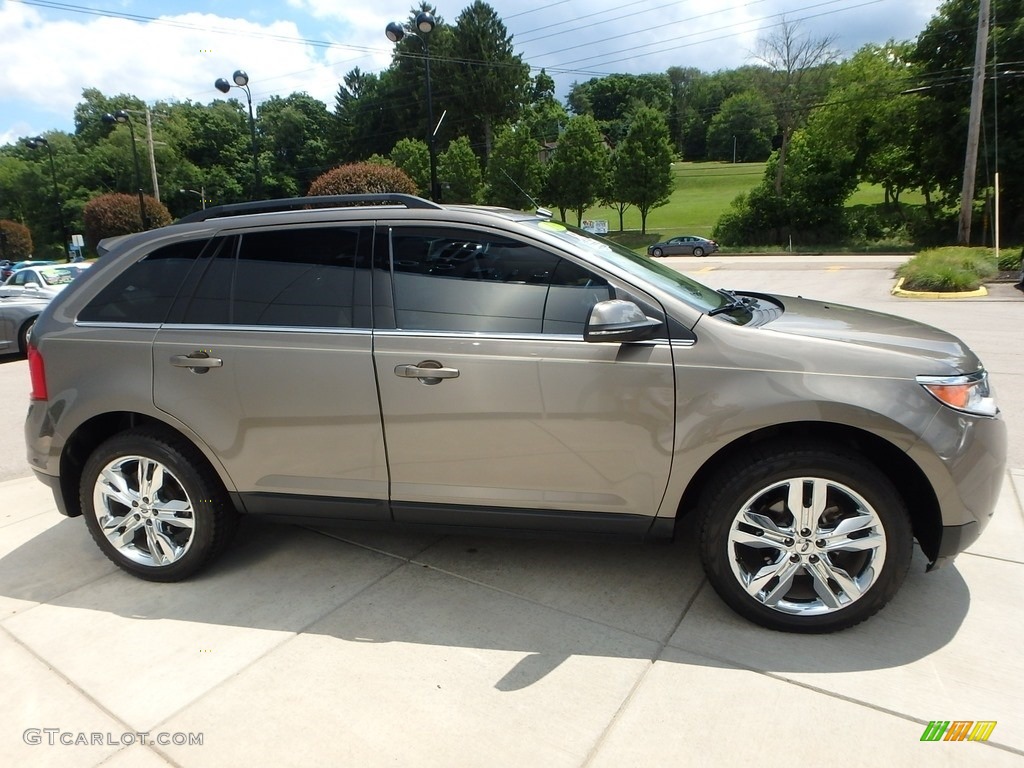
x=618 y=321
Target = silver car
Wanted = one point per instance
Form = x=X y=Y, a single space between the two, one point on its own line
x=17 y=316
x=397 y=362
x=683 y=245
x=41 y=281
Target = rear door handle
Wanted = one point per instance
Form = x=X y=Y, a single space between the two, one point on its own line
x=197 y=362
x=429 y=372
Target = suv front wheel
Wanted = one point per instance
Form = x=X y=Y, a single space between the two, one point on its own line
x=805 y=538
x=154 y=506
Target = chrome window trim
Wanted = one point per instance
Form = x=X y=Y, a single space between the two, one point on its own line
x=265 y=328
x=497 y=336
x=111 y=324
x=224 y=327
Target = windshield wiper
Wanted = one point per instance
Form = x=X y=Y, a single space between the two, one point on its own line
x=734 y=302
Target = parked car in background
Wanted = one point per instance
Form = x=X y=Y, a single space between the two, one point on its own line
x=683 y=245
x=43 y=282
x=9 y=269
x=395 y=361
x=17 y=316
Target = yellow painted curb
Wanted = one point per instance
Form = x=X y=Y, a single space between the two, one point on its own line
x=897 y=290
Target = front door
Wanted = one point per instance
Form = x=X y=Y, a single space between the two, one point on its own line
x=495 y=410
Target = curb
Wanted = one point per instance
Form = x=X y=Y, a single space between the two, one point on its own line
x=897 y=290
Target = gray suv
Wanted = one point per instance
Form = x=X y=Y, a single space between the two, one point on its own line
x=385 y=359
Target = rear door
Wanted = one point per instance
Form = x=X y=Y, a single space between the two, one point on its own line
x=268 y=359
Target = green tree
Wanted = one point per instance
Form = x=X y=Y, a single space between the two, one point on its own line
x=810 y=210
x=867 y=113
x=577 y=174
x=643 y=168
x=680 y=79
x=611 y=198
x=795 y=78
x=743 y=128
x=89 y=112
x=458 y=170
x=515 y=175
x=35 y=202
x=372 y=112
x=293 y=143
x=611 y=100
x=544 y=116
x=943 y=60
x=413 y=157
x=486 y=70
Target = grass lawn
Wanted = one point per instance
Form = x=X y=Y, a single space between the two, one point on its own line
x=703 y=193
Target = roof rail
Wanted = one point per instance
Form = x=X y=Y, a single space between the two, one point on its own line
x=293 y=203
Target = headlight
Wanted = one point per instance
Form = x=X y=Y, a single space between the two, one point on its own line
x=969 y=393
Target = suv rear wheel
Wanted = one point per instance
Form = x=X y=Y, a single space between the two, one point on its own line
x=805 y=538
x=154 y=506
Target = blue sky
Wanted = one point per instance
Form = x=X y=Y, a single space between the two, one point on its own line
x=175 y=49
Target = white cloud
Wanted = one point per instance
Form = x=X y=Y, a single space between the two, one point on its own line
x=51 y=62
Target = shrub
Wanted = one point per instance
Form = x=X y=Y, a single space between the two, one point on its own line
x=948 y=269
x=18 y=245
x=116 y=213
x=1010 y=261
x=362 y=178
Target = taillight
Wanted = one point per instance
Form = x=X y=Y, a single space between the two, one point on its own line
x=37 y=373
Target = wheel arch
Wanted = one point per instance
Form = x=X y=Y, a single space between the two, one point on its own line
x=22 y=337
x=95 y=430
x=907 y=477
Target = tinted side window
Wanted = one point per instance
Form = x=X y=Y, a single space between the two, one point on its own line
x=305 y=277
x=143 y=293
x=469 y=281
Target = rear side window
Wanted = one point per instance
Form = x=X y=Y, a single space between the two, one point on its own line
x=299 y=277
x=144 y=292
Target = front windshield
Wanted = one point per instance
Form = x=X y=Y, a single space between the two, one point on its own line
x=59 y=275
x=648 y=270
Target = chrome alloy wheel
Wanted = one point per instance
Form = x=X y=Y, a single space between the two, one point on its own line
x=806 y=546
x=144 y=511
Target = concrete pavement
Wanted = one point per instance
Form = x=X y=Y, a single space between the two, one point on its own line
x=335 y=647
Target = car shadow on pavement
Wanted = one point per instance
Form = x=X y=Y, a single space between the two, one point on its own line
x=549 y=599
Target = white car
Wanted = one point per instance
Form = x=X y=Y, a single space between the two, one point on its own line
x=43 y=282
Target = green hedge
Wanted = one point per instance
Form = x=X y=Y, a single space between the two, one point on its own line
x=949 y=269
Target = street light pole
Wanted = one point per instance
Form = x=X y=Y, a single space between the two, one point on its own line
x=395 y=33
x=201 y=192
x=121 y=116
x=39 y=141
x=241 y=80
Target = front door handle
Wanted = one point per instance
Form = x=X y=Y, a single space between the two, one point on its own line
x=197 y=362
x=428 y=372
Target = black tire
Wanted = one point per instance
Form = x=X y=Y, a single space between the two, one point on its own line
x=777 y=571
x=698 y=251
x=26 y=329
x=169 y=531
x=657 y=253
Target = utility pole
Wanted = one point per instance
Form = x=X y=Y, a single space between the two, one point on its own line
x=963 y=236
x=152 y=156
